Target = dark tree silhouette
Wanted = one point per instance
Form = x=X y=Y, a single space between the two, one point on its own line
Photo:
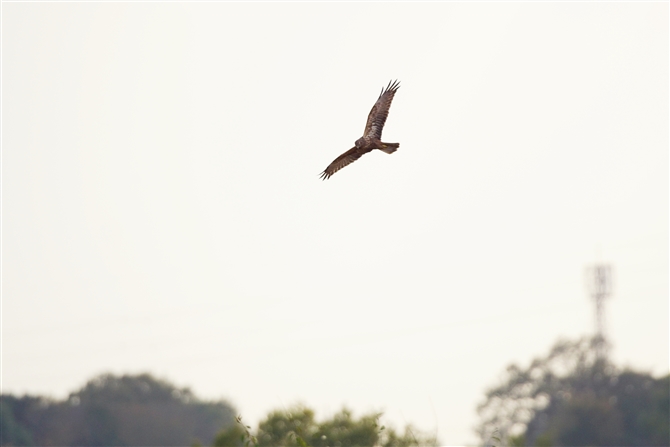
x=573 y=397
x=115 y=411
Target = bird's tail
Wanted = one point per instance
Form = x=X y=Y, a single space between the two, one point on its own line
x=390 y=148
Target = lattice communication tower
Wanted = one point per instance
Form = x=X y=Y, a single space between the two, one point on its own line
x=599 y=285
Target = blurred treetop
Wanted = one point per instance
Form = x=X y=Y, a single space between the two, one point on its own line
x=297 y=427
x=573 y=397
x=111 y=410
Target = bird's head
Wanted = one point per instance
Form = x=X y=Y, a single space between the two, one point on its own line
x=359 y=142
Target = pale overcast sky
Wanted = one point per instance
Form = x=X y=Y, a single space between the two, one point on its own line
x=163 y=212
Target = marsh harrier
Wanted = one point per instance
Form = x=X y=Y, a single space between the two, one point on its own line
x=372 y=137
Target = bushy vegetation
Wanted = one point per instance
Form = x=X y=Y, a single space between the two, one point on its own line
x=114 y=411
x=297 y=427
x=573 y=397
x=570 y=397
x=134 y=410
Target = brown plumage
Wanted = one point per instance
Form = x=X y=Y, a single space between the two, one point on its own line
x=372 y=137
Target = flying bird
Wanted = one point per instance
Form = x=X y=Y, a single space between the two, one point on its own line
x=372 y=136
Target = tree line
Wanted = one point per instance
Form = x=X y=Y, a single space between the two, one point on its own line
x=141 y=410
x=127 y=410
x=569 y=397
x=574 y=397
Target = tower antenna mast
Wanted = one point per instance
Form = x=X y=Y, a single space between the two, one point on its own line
x=599 y=284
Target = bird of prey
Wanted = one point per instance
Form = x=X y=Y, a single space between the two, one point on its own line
x=372 y=137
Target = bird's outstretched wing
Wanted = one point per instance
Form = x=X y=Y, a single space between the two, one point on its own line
x=379 y=112
x=343 y=160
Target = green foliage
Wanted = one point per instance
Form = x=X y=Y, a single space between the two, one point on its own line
x=287 y=428
x=628 y=408
x=234 y=436
x=143 y=388
x=517 y=441
x=542 y=441
x=574 y=398
x=114 y=411
x=297 y=427
x=343 y=430
x=11 y=432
